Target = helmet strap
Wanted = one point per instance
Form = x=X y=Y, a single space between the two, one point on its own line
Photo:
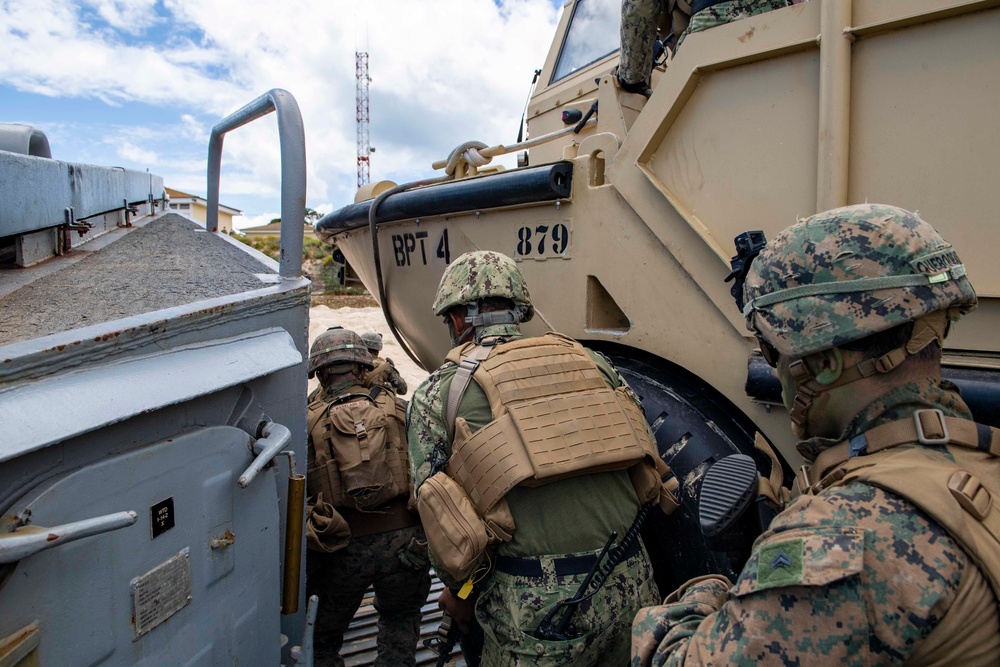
x=927 y=329
x=808 y=385
x=457 y=340
x=477 y=319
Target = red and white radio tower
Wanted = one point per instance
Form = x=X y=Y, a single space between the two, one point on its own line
x=364 y=148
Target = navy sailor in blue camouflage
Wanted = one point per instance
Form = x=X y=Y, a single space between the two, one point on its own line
x=557 y=524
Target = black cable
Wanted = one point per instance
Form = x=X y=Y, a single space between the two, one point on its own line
x=524 y=114
x=377 y=256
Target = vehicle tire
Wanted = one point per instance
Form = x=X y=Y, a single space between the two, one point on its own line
x=694 y=427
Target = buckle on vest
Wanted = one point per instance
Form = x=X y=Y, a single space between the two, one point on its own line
x=360 y=431
x=970 y=494
x=922 y=435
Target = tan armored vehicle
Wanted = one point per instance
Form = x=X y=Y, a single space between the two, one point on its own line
x=624 y=229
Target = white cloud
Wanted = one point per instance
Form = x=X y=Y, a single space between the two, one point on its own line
x=132 y=16
x=443 y=72
x=133 y=153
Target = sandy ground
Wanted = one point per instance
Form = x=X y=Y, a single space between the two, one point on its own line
x=361 y=320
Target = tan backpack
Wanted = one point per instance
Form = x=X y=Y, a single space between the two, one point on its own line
x=357 y=453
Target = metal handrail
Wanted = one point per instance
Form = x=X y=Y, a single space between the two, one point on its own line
x=291 y=136
x=273 y=440
x=31 y=540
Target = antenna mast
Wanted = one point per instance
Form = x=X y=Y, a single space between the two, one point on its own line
x=364 y=147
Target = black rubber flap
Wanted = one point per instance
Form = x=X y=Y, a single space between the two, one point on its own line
x=543 y=183
x=726 y=492
x=980 y=387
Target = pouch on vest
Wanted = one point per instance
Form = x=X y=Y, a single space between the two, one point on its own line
x=326 y=530
x=497 y=517
x=455 y=533
x=360 y=439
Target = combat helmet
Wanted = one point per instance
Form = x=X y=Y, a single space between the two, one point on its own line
x=337 y=345
x=373 y=341
x=479 y=275
x=848 y=273
x=845 y=274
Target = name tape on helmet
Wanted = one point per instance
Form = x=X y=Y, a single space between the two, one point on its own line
x=936 y=262
x=339 y=346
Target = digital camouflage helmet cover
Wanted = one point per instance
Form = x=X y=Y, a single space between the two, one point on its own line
x=373 y=341
x=847 y=273
x=479 y=275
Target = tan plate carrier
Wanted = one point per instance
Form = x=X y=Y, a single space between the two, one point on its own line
x=554 y=417
x=957 y=492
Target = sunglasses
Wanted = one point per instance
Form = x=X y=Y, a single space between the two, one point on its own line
x=768 y=351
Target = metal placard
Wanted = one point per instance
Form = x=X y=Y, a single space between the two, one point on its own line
x=161 y=592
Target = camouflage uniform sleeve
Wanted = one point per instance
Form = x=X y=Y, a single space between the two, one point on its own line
x=856 y=575
x=428 y=440
x=425 y=429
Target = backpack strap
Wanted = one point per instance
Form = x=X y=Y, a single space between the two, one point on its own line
x=360 y=431
x=460 y=383
x=926 y=427
x=347 y=398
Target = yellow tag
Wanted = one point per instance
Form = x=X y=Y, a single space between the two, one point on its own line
x=465 y=590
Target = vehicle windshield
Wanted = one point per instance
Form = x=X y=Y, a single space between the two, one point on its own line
x=593 y=34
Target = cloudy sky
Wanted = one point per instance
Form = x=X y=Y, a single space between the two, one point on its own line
x=140 y=83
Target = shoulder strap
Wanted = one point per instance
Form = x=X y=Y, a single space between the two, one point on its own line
x=374 y=373
x=927 y=427
x=947 y=489
x=463 y=376
x=314 y=412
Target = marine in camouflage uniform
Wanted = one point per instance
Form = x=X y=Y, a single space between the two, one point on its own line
x=850 y=573
x=569 y=518
x=643 y=19
x=340 y=563
x=384 y=372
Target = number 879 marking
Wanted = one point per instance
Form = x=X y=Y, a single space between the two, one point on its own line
x=540 y=242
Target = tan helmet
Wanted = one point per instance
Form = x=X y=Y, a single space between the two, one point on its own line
x=338 y=346
x=479 y=275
